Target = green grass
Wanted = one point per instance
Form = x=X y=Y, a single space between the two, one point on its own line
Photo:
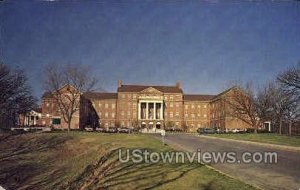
x=263 y=138
x=80 y=160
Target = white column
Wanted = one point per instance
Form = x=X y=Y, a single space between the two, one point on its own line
x=147 y=111
x=25 y=120
x=161 y=111
x=154 y=112
x=139 y=110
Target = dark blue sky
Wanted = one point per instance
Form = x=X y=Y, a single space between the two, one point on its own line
x=204 y=45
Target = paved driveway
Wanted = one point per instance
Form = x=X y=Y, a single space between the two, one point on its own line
x=283 y=175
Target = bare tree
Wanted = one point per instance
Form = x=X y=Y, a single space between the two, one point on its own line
x=76 y=78
x=15 y=95
x=290 y=80
x=263 y=103
x=242 y=105
x=292 y=115
x=283 y=104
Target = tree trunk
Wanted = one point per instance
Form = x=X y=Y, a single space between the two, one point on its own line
x=255 y=126
x=69 y=126
x=290 y=128
x=280 y=125
x=255 y=130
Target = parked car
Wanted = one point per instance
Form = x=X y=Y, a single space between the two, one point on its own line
x=236 y=130
x=173 y=130
x=89 y=129
x=100 y=129
x=112 y=130
x=124 y=130
x=220 y=131
x=206 y=130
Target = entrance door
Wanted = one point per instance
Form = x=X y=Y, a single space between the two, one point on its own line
x=150 y=126
x=157 y=126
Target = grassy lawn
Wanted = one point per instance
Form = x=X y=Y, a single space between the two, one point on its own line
x=80 y=160
x=263 y=138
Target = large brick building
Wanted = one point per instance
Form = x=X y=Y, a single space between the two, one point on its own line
x=146 y=106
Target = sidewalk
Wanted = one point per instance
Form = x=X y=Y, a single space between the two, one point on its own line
x=281 y=147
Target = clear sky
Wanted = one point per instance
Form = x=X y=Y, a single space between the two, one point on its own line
x=204 y=44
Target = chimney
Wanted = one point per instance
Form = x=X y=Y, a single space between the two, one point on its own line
x=119 y=83
x=178 y=84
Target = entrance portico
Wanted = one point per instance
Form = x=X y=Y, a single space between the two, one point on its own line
x=150 y=114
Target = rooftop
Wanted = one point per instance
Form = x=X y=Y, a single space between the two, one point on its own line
x=139 y=88
x=100 y=95
x=197 y=97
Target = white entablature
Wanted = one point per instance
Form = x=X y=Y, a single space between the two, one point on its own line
x=151 y=97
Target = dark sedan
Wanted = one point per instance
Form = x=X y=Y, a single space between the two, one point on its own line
x=206 y=131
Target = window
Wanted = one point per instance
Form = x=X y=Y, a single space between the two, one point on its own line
x=47 y=104
x=106 y=114
x=128 y=113
x=193 y=106
x=204 y=115
x=123 y=96
x=171 y=114
x=122 y=113
x=186 y=106
x=171 y=97
x=186 y=115
x=198 y=106
x=177 y=105
x=177 y=114
x=106 y=105
x=129 y=95
x=100 y=105
x=56 y=121
x=171 y=105
x=134 y=96
x=47 y=115
x=166 y=97
x=113 y=115
x=204 y=106
x=193 y=115
x=113 y=106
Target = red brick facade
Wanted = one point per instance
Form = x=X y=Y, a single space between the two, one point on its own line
x=151 y=107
